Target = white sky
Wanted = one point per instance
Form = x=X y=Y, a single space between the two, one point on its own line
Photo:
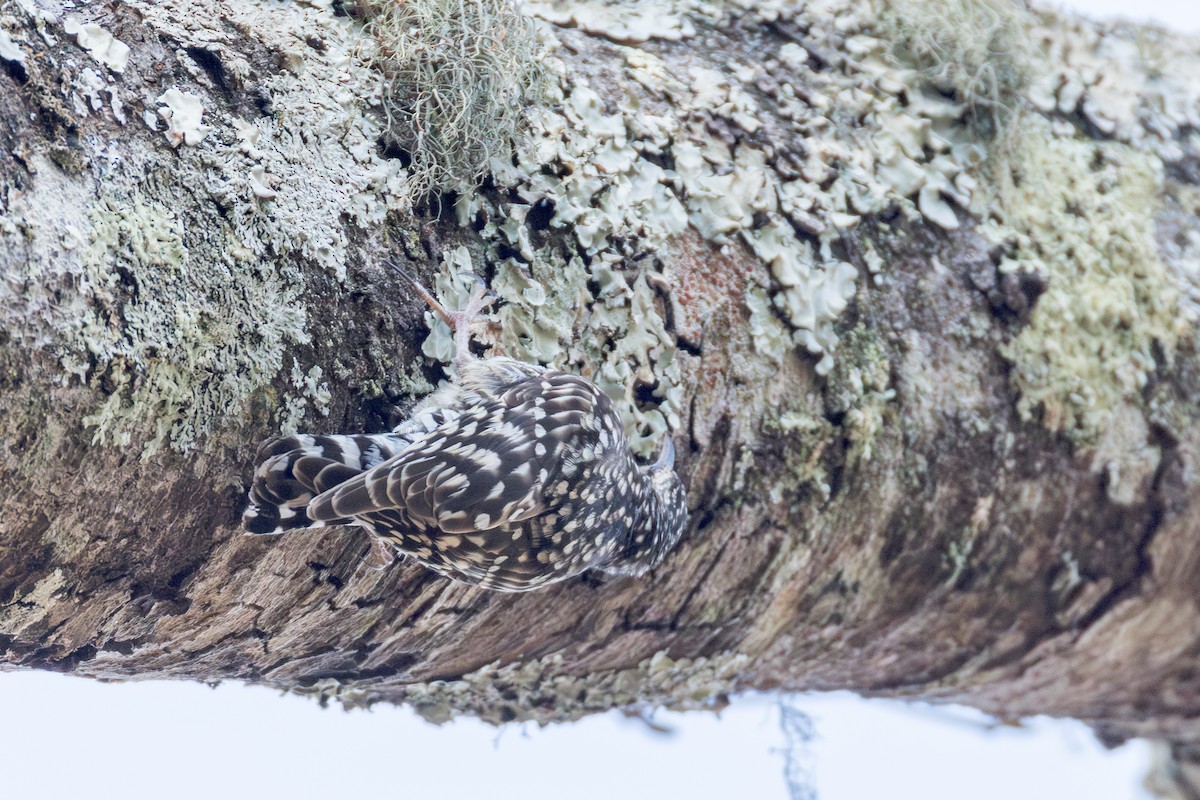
x=64 y=737
x=71 y=737
x=1182 y=15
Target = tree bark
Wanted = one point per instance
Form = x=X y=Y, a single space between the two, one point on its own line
x=914 y=292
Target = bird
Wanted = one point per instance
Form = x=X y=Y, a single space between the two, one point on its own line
x=510 y=476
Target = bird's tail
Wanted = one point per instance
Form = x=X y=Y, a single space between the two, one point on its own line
x=292 y=470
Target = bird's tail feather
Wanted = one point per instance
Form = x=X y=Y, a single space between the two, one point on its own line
x=292 y=470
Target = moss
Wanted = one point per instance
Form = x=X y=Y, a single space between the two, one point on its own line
x=457 y=75
x=1079 y=215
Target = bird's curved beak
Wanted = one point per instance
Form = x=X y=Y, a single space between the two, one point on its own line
x=667 y=457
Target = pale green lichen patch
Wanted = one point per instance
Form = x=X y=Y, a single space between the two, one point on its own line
x=624 y=173
x=179 y=310
x=540 y=690
x=781 y=154
x=615 y=203
x=191 y=335
x=9 y=49
x=769 y=335
x=626 y=22
x=151 y=302
x=183 y=112
x=1179 y=241
x=452 y=288
x=296 y=180
x=543 y=306
x=1136 y=84
x=1078 y=213
x=860 y=388
x=788 y=197
x=625 y=345
x=312 y=393
x=641 y=354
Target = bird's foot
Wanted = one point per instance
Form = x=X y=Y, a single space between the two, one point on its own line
x=460 y=321
x=382 y=554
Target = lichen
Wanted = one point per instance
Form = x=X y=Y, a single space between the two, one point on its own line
x=768 y=334
x=1179 y=241
x=1079 y=214
x=180 y=360
x=297 y=181
x=980 y=50
x=859 y=388
x=803 y=469
x=780 y=155
x=180 y=312
x=624 y=172
x=457 y=73
x=627 y=22
x=183 y=112
x=99 y=43
x=540 y=690
x=1135 y=84
x=628 y=348
x=9 y=49
x=312 y=394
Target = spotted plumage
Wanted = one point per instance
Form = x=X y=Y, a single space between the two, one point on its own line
x=511 y=477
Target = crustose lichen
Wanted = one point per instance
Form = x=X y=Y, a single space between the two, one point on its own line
x=457 y=74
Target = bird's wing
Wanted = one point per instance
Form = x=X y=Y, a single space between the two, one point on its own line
x=496 y=463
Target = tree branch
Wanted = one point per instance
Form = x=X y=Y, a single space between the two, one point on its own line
x=915 y=292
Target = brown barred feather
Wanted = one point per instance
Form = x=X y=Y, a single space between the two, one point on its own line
x=513 y=477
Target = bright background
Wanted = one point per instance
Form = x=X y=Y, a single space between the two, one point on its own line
x=72 y=737
x=1181 y=15
x=67 y=737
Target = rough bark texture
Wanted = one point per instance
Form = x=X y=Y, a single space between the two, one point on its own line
x=925 y=338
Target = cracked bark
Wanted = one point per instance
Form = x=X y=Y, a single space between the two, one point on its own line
x=987 y=563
